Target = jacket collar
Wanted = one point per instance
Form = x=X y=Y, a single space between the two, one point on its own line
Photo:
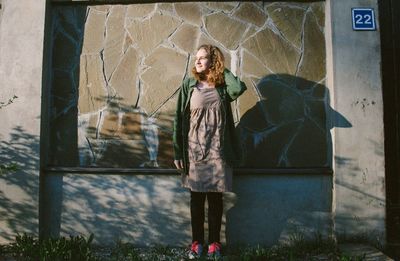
x=192 y=82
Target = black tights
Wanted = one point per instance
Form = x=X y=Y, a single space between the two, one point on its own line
x=215 y=209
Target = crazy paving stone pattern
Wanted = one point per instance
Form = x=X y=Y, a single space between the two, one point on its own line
x=116 y=70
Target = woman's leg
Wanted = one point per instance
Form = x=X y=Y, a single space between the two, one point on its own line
x=197 y=200
x=215 y=210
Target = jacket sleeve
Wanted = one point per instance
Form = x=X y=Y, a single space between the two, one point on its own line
x=177 y=137
x=234 y=86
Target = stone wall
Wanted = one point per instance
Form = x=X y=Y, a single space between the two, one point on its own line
x=117 y=70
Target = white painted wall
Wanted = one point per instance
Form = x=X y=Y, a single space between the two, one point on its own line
x=21 y=45
x=356 y=83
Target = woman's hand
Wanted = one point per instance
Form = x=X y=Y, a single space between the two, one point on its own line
x=178 y=164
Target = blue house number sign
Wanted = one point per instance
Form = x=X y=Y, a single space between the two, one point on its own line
x=363 y=19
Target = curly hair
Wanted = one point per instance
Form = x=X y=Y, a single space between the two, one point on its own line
x=217 y=66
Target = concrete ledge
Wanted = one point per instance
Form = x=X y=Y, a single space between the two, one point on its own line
x=139 y=1
x=364 y=251
x=111 y=1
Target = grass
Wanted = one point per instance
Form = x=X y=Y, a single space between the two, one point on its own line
x=297 y=248
x=28 y=248
x=79 y=248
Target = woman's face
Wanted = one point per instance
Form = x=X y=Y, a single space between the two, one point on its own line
x=202 y=62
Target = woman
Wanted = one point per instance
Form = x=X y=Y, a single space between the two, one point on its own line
x=204 y=143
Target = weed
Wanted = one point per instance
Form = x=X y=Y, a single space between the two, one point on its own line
x=363 y=238
x=27 y=247
x=79 y=248
x=125 y=251
x=7 y=168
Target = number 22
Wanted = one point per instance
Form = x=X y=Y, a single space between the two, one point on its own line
x=366 y=19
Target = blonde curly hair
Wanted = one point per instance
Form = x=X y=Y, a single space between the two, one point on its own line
x=217 y=66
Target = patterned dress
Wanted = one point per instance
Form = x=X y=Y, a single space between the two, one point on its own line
x=208 y=172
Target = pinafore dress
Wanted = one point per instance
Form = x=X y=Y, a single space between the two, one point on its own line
x=208 y=172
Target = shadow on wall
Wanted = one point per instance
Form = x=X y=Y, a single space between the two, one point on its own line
x=288 y=128
x=139 y=209
x=351 y=217
x=275 y=208
x=134 y=208
x=20 y=189
x=290 y=125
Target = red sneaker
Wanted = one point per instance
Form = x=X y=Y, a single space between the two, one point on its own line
x=196 y=250
x=214 y=250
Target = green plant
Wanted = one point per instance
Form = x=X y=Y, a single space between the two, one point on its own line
x=351 y=258
x=12 y=167
x=254 y=253
x=4 y=250
x=162 y=250
x=79 y=248
x=367 y=237
x=299 y=246
x=125 y=251
x=4 y=168
x=27 y=247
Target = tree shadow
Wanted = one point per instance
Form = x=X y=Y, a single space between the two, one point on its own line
x=130 y=208
x=20 y=189
x=361 y=217
x=135 y=208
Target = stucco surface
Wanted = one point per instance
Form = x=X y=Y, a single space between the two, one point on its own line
x=21 y=45
x=147 y=210
x=359 y=205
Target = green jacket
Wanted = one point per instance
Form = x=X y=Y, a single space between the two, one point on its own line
x=230 y=91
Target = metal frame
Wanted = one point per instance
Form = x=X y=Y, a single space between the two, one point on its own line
x=46 y=169
x=389 y=18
